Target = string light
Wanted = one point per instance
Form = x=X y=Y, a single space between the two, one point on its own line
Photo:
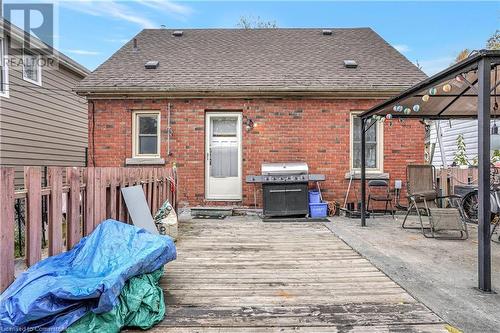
x=407 y=111
x=447 y=88
x=416 y=107
x=432 y=91
x=425 y=98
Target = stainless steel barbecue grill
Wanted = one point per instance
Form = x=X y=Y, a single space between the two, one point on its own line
x=284 y=188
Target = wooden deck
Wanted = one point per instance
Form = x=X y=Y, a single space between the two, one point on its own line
x=238 y=275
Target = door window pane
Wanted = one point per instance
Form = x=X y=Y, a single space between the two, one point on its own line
x=224 y=126
x=371 y=144
x=224 y=160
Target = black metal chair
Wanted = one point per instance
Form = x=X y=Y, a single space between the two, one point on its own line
x=378 y=191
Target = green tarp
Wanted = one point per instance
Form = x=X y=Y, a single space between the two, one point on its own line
x=140 y=304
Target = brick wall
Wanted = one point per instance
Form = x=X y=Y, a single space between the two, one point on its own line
x=311 y=130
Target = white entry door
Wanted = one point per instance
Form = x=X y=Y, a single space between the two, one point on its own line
x=223 y=156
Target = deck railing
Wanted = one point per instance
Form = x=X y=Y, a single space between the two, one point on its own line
x=90 y=195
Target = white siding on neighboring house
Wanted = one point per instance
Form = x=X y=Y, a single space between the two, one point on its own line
x=450 y=129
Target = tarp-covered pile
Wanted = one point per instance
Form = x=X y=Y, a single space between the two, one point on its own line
x=96 y=277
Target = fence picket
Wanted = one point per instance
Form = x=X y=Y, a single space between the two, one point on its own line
x=55 y=211
x=154 y=198
x=33 y=181
x=164 y=186
x=6 y=227
x=122 y=212
x=112 y=193
x=88 y=222
x=73 y=216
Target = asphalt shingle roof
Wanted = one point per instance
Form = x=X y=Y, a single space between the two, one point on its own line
x=255 y=60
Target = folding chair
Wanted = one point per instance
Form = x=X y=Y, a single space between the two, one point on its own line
x=445 y=222
x=378 y=191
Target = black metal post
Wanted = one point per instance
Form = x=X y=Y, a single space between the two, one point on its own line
x=363 y=172
x=483 y=232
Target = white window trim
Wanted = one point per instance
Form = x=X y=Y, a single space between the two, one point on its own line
x=380 y=145
x=5 y=92
x=135 y=134
x=38 y=81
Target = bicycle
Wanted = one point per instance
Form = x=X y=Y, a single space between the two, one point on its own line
x=470 y=204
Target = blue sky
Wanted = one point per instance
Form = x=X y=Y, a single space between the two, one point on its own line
x=429 y=32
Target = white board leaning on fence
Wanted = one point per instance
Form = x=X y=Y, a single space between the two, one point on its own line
x=138 y=209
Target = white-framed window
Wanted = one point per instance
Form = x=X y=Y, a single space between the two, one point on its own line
x=32 y=69
x=4 y=69
x=374 y=145
x=146 y=134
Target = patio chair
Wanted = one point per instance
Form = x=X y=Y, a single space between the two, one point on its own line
x=445 y=222
x=378 y=191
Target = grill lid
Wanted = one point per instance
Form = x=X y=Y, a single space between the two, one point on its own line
x=292 y=168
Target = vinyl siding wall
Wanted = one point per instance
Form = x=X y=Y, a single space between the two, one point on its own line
x=449 y=133
x=43 y=126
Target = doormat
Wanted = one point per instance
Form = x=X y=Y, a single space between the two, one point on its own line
x=293 y=219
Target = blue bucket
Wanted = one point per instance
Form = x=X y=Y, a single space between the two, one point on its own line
x=314 y=197
x=317 y=210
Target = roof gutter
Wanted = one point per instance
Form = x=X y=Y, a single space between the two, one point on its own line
x=134 y=92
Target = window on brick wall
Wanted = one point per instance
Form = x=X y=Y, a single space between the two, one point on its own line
x=146 y=134
x=374 y=145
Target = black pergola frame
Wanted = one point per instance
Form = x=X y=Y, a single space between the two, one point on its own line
x=483 y=62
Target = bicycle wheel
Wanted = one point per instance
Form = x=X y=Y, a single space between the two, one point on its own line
x=495 y=233
x=470 y=206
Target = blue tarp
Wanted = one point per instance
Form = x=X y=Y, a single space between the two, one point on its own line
x=59 y=290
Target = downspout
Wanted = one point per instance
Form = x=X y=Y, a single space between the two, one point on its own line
x=169 y=129
x=92 y=113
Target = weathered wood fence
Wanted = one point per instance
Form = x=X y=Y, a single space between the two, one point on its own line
x=450 y=177
x=91 y=195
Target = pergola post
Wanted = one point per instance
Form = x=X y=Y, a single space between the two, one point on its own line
x=483 y=116
x=363 y=172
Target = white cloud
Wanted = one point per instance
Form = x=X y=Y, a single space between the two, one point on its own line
x=167 y=6
x=433 y=66
x=402 y=48
x=82 y=52
x=123 y=10
x=116 y=40
x=111 y=9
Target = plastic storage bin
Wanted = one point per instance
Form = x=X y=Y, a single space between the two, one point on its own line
x=314 y=197
x=317 y=210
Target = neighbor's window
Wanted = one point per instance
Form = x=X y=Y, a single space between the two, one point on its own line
x=374 y=145
x=4 y=73
x=146 y=128
x=32 y=69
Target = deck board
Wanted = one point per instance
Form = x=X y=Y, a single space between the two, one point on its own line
x=238 y=276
